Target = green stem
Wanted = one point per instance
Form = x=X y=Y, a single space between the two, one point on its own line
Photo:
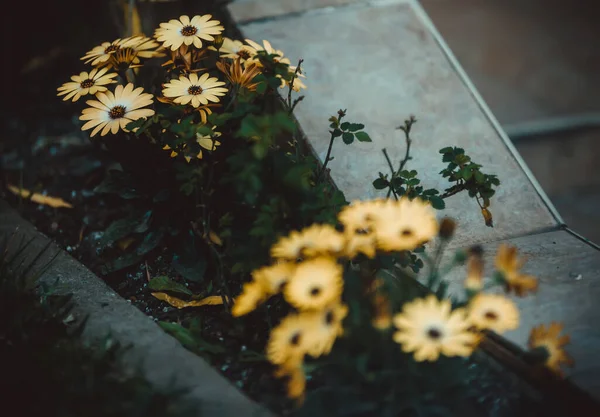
x=389 y=161
x=324 y=167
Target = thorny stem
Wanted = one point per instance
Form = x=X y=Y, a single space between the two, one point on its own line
x=434 y=265
x=324 y=167
x=389 y=161
x=406 y=130
x=290 y=88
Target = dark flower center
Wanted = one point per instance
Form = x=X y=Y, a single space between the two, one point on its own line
x=315 y=291
x=117 y=112
x=242 y=53
x=111 y=48
x=407 y=232
x=295 y=339
x=189 y=30
x=490 y=315
x=329 y=317
x=194 y=90
x=434 y=334
x=86 y=83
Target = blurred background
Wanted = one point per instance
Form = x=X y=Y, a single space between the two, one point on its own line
x=537 y=65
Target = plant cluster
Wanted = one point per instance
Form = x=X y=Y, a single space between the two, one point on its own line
x=213 y=172
x=326 y=275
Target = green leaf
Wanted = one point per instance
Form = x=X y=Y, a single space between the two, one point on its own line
x=355 y=126
x=348 y=138
x=150 y=242
x=479 y=177
x=183 y=335
x=437 y=202
x=120 y=183
x=121 y=262
x=336 y=133
x=118 y=230
x=189 y=260
x=362 y=137
x=164 y=283
x=345 y=125
x=380 y=183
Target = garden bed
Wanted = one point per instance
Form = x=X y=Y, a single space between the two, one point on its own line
x=62 y=162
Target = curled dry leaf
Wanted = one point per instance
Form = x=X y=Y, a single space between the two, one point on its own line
x=212 y=300
x=39 y=198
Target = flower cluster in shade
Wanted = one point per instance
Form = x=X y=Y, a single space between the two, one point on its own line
x=185 y=42
x=308 y=270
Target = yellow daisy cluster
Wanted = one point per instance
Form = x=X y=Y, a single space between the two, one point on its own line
x=308 y=274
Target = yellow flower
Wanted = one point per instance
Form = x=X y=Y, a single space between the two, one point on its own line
x=493 y=312
x=358 y=217
x=113 y=111
x=382 y=316
x=540 y=337
x=239 y=75
x=86 y=83
x=290 y=340
x=268 y=48
x=144 y=47
x=252 y=295
x=428 y=327
x=100 y=54
x=360 y=243
x=188 y=31
x=509 y=265
x=311 y=241
x=315 y=284
x=235 y=49
x=474 y=280
x=194 y=90
x=326 y=329
x=205 y=111
x=273 y=278
x=404 y=224
x=207 y=142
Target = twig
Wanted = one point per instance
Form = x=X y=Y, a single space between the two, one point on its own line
x=389 y=161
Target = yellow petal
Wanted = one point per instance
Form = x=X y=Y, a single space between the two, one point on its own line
x=39 y=198
x=212 y=300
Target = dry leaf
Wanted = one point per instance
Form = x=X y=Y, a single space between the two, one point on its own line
x=214 y=238
x=212 y=300
x=123 y=244
x=487 y=215
x=39 y=198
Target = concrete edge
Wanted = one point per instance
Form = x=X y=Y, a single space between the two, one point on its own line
x=161 y=358
x=426 y=20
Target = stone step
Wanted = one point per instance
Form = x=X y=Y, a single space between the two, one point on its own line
x=383 y=60
x=569 y=289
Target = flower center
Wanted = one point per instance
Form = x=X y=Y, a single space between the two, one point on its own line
x=315 y=291
x=434 y=333
x=295 y=339
x=86 y=83
x=242 y=53
x=329 y=318
x=189 y=30
x=194 y=90
x=111 y=48
x=491 y=315
x=117 y=112
x=407 y=232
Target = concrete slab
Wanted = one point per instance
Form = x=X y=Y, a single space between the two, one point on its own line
x=383 y=62
x=246 y=10
x=163 y=360
x=568 y=270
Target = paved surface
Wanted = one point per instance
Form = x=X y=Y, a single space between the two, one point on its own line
x=383 y=60
x=387 y=66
